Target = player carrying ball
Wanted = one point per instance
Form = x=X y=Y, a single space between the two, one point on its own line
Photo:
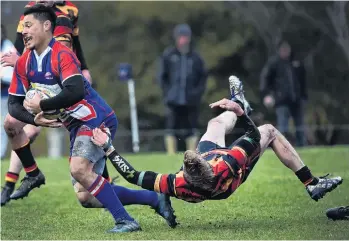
x=49 y=65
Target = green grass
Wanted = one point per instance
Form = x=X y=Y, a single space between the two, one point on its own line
x=272 y=204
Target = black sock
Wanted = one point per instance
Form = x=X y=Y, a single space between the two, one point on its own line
x=11 y=178
x=25 y=155
x=305 y=176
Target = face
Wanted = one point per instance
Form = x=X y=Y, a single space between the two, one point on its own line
x=34 y=31
x=284 y=51
x=183 y=40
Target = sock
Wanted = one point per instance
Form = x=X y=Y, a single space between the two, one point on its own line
x=305 y=176
x=104 y=192
x=11 y=179
x=105 y=174
x=25 y=155
x=141 y=197
x=145 y=179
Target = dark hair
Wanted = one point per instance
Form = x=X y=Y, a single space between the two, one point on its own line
x=42 y=13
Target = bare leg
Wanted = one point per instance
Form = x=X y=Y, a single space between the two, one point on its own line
x=316 y=187
x=270 y=136
x=15 y=163
x=218 y=127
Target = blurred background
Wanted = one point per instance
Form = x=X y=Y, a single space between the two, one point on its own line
x=293 y=59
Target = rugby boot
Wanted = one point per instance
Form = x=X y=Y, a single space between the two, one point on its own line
x=165 y=210
x=237 y=93
x=6 y=193
x=338 y=213
x=324 y=186
x=28 y=183
x=125 y=226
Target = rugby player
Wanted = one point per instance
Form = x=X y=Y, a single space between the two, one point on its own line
x=51 y=66
x=215 y=171
x=68 y=34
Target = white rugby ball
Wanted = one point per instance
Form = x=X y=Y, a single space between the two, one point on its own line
x=51 y=114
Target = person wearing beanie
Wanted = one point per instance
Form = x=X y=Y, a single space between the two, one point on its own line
x=182 y=77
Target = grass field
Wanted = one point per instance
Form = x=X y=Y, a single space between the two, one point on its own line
x=272 y=204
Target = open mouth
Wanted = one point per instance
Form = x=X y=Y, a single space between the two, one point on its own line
x=27 y=39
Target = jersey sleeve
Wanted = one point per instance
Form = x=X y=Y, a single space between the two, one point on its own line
x=68 y=65
x=19 y=84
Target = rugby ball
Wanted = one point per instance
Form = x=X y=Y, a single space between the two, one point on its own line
x=44 y=94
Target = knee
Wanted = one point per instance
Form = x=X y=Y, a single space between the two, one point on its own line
x=269 y=130
x=11 y=126
x=32 y=132
x=215 y=122
x=78 y=169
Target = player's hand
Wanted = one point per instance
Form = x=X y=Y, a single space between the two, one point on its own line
x=40 y=120
x=33 y=104
x=228 y=105
x=9 y=59
x=99 y=137
x=87 y=75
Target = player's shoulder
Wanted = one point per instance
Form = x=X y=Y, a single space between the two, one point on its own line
x=61 y=52
x=57 y=47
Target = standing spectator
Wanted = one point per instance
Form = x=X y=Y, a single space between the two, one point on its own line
x=6 y=76
x=283 y=85
x=182 y=77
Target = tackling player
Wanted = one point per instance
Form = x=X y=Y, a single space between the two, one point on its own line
x=215 y=171
x=67 y=32
x=49 y=65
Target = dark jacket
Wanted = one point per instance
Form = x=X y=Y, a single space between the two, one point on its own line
x=182 y=77
x=285 y=80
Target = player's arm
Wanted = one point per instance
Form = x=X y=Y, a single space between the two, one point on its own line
x=18 y=87
x=73 y=86
x=79 y=52
x=149 y=180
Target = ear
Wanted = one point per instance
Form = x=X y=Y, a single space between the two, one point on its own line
x=47 y=25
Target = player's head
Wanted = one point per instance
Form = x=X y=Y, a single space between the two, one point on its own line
x=197 y=171
x=64 y=31
x=39 y=23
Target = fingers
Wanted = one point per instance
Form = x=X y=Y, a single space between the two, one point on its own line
x=55 y=125
x=219 y=103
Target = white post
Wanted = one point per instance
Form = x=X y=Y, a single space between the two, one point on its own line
x=133 y=111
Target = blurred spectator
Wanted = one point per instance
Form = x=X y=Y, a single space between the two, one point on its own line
x=182 y=77
x=6 y=76
x=283 y=85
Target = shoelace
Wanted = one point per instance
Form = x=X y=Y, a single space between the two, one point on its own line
x=325 y=176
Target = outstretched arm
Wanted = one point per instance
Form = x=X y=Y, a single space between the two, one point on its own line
x=146 y=179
